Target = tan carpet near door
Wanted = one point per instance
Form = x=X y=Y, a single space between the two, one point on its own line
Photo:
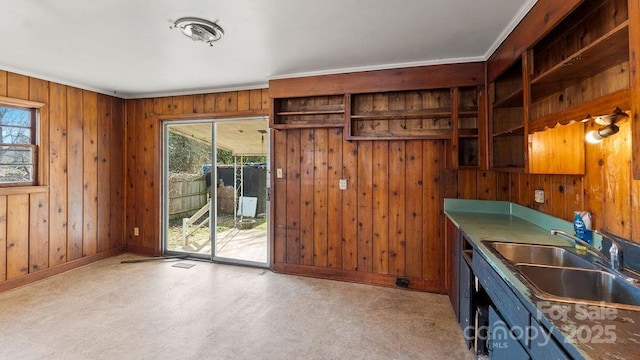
x=154 y=310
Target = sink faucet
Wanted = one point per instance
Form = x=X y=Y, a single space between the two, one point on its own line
x=615 y=251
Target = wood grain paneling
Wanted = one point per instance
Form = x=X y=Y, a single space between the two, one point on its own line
x=116 y=174
x=90 y=174
x=17 y=238
x=38 y=231
x=149 y=140
x=75 y=190
x=3 y=83
x=320 y=199
x=546 y=159
x=397 y=214
x=414 y=78
x=433 y=234
x=42 y=227
x=634 y=80
x=293 y=197
x=18 y=86
x=279 y=195
x=414 y=195
x=350 y=206
x=388 y=218
x=334 y=198
x=58 y=210
x=307 y=169
x=103 y=199
x=380 y=221
x=364 y=187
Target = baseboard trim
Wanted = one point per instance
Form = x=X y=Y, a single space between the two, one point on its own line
x=359 y=277
x=139 y=250
x=58 y=269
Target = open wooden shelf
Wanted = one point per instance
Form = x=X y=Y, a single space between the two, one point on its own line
x=608 y=50
x=468 y=112
x=516 y=130
x=299 y=125
x=419 y=114
x=471 y=132
x=515 y=99
x=426 y=134
x=319 y=112
x=309 y=112
x=402 y=114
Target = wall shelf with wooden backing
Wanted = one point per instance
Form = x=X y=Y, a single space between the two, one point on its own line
x=308 y=112
x=416 y=114
x=583 y=58
x=508 y=121
x=578 y=70
x=608 y=50
x=468 y=115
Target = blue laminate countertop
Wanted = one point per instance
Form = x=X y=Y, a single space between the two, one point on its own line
x=594 y=338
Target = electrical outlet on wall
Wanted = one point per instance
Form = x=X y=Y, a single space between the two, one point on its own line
x=342 y=184
x=539 y=196
x=136 y=231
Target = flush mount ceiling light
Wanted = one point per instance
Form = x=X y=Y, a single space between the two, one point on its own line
x=199 y=29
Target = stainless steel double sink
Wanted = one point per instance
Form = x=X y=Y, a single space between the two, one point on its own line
x=560 y=274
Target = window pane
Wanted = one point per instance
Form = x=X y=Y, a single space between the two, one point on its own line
x=17 y=148
x=16 y=174
x=15 y=117
x=15 y=155
x=13 y=135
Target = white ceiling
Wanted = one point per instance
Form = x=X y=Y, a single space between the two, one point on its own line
x=125 y=47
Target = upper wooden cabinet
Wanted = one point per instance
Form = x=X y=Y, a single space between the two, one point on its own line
x=578 y=69
x=582 y=61
x=508 y=123
x=559 y=150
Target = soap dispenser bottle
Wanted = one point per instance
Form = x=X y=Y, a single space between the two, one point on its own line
x=582 y=226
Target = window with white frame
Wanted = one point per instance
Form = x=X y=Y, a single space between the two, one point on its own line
x=18 y=143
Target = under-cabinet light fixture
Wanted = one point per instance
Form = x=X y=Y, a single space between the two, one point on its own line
x=608 y=128
x=199 y=29
x=596 y=136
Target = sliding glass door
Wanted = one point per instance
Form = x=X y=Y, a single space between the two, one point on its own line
x=216 y=182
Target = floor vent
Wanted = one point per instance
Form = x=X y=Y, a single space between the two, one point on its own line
x=184 y=265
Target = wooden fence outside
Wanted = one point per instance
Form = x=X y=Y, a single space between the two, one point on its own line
x=187 y=195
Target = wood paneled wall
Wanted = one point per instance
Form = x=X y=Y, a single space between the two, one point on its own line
x=607 y=189
x=75 y=215
x=386 y=224
x=144 y=159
